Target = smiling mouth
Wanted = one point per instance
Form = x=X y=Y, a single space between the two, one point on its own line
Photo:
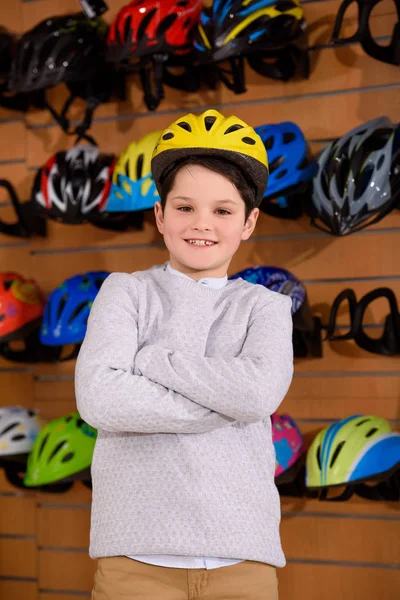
x=201 y=243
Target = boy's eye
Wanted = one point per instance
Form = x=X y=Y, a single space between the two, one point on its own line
x=222 y=210
x=183 y=208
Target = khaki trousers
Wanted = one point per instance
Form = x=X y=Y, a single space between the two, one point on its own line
x=122 y=578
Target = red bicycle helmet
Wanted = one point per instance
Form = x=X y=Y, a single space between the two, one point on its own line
x=153 y=31
x=21 y=306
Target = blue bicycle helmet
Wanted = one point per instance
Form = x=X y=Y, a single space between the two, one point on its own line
x=67 y=309
x=290 y=169
x=277 y=280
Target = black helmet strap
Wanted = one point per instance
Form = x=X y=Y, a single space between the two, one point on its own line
x=390 y=53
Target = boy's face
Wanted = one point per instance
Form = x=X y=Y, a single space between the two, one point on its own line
x=203 y=205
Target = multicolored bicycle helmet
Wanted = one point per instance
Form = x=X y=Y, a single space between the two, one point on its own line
x=359 y=448
x=233 y=29
x=290 y=168
x=306 y=328
x=132 y=186
x=68 y=307
x=288 y=443
x=63 y=451
x=19 y=428
x=74 y=185
x=277 y=280
x=151 y=32
x=212 y=134
x=358 y=181
x=21 y=306
x=66 y=49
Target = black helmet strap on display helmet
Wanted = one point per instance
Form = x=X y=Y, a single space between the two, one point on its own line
x=28 y=223
x=389 y=343
x=281 y=64
x=389 y=53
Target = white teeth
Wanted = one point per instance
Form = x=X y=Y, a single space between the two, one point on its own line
x=201 y=242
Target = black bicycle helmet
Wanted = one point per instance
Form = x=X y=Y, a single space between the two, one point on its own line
x=66 y=49
x=358 y=181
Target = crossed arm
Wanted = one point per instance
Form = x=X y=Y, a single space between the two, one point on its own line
x=175 y=392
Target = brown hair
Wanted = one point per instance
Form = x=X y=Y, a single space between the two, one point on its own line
x=219 y=165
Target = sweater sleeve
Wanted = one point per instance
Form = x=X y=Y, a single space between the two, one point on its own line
x=109 y=395
x=248 y=387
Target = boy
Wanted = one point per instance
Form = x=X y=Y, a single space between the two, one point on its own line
x=180 y=371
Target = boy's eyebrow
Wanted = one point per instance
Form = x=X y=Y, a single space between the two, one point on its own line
x=223 y=201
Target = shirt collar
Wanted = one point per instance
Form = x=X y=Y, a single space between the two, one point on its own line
x=212 y=282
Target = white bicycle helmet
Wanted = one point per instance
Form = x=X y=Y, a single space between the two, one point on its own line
x=358 y=180
x=19 y=428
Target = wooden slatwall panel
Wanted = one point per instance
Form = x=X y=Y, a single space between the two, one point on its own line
x=344 y=550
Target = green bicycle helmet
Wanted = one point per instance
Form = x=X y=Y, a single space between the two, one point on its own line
x=62 y=451
x=357 y=449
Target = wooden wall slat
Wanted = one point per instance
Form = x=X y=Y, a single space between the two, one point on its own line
x=345 y=112
x=63 y=528
x=18 y=558
x=17 y=515
x=79 y=494
x=65 y=570
x=18 y=590
x=16 y=388
x=306 y=537
x=317 y=582
x=14 y=134
x=60 y=236
x=306 y=257
x=355 y=506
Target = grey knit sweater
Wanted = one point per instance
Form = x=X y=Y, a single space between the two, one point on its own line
x=180 y=381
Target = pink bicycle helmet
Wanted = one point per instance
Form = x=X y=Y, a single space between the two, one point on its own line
x=288 y=443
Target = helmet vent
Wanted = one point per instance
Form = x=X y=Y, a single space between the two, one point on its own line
x=380 y=162
x=139 y=167
x=248 y=140
x=187 y=23
x=336 y=454
x=269 y=142
x=98 y=282
x=362 y=422
x=168 y=136
x=19 y=437
x=31 y=413
x=141 y=32
x=61 y=306
x=68 y=419
x=56 y=450
x=182 y=3
x=285 y=5
x=281 y=174
x=303 y=164
x=68 y=457
x=9 y=428
x=80 y=308
x=79 y=423
x=184 y=125
x=371 y=432
x=42 y=445
x=209 y=122
x=288 y=137
x=166 y=23
x=276 y=164
x=7 y=284
x=233 y=128
x=319 y=456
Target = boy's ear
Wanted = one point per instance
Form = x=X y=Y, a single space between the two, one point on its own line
x=158 y=212
x=250 y=224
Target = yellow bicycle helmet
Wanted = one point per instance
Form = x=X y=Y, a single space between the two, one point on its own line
x=132 y=186
x=212 y=134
